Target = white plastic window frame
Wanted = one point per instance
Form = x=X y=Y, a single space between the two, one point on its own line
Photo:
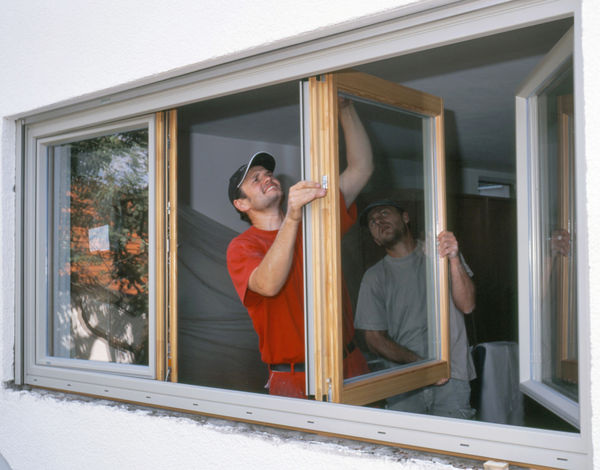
x=528 y=215
x=38 y=240
x=419 y=26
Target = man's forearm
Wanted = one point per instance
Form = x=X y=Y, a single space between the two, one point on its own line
x=380 y=343
x=270 y=275
x=463 y=288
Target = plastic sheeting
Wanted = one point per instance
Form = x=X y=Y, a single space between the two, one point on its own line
x=218 y=346
x=500 y=400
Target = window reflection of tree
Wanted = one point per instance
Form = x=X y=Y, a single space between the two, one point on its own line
x=109 y=289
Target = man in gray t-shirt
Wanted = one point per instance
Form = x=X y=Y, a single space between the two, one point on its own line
x=392 y=310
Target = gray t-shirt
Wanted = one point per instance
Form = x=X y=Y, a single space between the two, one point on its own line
x=393 y=298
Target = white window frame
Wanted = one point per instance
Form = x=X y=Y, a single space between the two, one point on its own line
x=528 y=216
x=405 y=30
x=37 y=308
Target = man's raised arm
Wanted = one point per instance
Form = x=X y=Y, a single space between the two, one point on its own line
x=359 y=154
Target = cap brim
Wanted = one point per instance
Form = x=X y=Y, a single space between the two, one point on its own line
x=263 y=159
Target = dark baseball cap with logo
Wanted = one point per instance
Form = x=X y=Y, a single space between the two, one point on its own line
x=263 y=159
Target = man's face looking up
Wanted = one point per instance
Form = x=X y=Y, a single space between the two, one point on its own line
x=260 y=189
x=387 y=225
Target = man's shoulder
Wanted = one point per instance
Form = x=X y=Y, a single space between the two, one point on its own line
x=240 y=237
x=252 y=241
x=247 y=238
x=372 y=273
x=245 y=235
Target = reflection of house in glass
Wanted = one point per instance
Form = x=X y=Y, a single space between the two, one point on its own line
x=101 y=310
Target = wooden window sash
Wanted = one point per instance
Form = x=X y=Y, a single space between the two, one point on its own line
x=172 y=314
x=166 y=246
x=326 y=236
x=326 y=260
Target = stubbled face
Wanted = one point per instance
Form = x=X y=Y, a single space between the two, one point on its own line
x=261 y=189
x=387 y=225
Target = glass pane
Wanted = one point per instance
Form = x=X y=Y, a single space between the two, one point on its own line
x=98 y=248
x=558 y=236
x=218 y=344
x=386 y=260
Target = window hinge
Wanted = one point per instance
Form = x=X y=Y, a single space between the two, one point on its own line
x=168 y=228
x=329 y=392
x=168 y=374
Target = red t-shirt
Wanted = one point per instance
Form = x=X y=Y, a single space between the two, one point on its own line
x=278 y=320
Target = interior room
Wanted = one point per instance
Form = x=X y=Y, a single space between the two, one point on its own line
x=477 y=81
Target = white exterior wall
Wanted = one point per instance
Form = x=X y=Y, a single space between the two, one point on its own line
x=55 y=51
x=591 y=68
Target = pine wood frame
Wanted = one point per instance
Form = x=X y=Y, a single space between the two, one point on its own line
x=173 y=328
x=166 y=246
x=326 y=238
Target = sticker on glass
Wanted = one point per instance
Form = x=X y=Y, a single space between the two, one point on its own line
x=99 y=238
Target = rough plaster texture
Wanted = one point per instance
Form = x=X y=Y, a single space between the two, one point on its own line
x=75 y=434
x=93 y=45
x=591 y=71
x=7 y=237
x=54 y=51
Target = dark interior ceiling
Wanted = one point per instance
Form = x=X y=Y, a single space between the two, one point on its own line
x=477 y=80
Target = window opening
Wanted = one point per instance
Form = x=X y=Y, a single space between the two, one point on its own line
x=218 y=346
x=470 y=213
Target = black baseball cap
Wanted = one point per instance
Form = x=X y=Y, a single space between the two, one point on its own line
x=263 y=159
x=381 y=202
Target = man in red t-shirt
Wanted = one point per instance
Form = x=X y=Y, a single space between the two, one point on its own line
x=265 y=262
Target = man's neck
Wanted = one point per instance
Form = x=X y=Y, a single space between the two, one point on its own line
x=267 y=220
x=403 y=247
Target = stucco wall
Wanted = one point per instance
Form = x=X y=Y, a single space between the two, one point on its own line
x=43 y=432
x=55 y=51
x=591 y=69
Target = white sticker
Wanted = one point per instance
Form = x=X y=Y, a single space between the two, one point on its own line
x=99 y=238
